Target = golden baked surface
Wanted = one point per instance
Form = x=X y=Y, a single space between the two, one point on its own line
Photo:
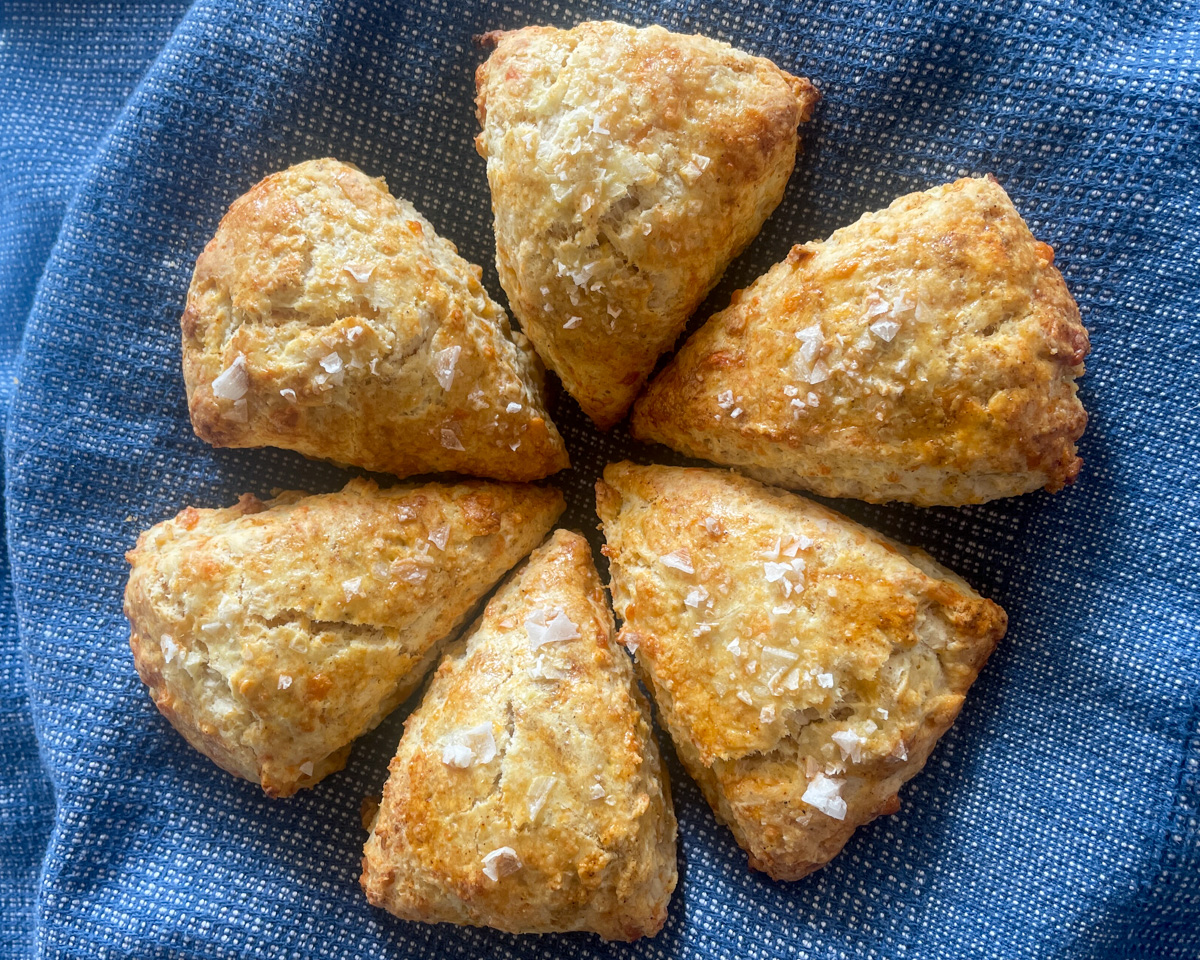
x=527 y=793
x=271 y=634
x=804 y=665
x=328 y=317
x=926 y=353
x=627 y=167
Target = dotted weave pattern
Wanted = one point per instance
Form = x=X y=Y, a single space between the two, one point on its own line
x=1057 y=818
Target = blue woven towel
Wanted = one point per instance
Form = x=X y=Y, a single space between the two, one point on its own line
x=1058 y=818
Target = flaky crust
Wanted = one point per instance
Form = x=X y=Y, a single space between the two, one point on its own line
x=567 y=714
x=363 y=337
x=796 y=629
x=271 y=634
x=627 y=167
x=973 y=397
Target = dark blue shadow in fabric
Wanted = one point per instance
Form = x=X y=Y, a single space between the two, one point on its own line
x=1056 y=819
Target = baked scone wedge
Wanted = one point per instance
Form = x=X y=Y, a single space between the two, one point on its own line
x=804 y=665
x=627 y=168
x=527 y=793
x=327 y=316
x=271 y=634
x=927 y=353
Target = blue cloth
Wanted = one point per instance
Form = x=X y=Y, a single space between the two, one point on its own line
x=1058 y=818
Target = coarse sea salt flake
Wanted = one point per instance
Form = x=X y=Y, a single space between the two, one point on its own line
x=232 y=383
x=450 y=439
x=745 y=698
x=500 y=863
x=513 y=408
x=597 y=791
x=553 y=626
x=572 y=323
x=288 y=394
x=713 y=526
x=696 y=596
x=767 y=715
x=444 y=365
x=539 y=790
x=678 y=560
x=306 y=768
x=462 y=748
x=352 y=587
x=825 y=793
x=811 y=340
x=360 y=271
x=825 y=680
x=169 y=649
x=547 y=671
x=876 y=304
x=332 y=363
x=818 y=374
x=850 y=743
x=725 y=399
x=439 y=535
x=885 y=330
x=284 y=681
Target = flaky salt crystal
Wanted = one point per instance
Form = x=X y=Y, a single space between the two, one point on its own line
x=696 y=597
x=547 y=671
x=444 y=362
x=500 y=863
x=597 y=792
x=734 y=647
x=513 y=408
x=678 y=560
x=614 y=312
x=462 y=748
x=818 y=374
x=598 y=127
x=767 y=714
x=553 y=626
x=713 y=526
x=439 y=535
x=885 y=330
x=876 y=304
x=284 y=681
x=825 y=793
x=360 y=271
x=288 y=394
x=789 y=390
x=233 y=382
x=306 y=768
x=631 y=641
x=745 y=698
x=825 y=680
x=332 y=363
x=352 y=587
x=539 y=790
x=353 y=333
x=725 y=399
x=450 y=439
x=850 y=743
x=169 y=649
x=812 y=339
x=572 y=323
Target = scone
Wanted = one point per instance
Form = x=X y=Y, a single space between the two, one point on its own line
x=627 y=168
x=328 y=317
x=527 y=793
x=926 y=353
x=271 y=634
x=804 y=665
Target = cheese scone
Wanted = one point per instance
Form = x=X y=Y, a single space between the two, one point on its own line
x=627 y=168
x=327 y=316
x=804 y=665
x=271 y=634
x=927 y=353
x=527 y=793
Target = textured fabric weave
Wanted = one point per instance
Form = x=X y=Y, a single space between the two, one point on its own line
x=1058 y=818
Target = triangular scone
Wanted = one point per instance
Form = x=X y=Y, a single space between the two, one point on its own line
x=328 y=317
x=527 y=793
x=627 y=167
x=926 y=353
x=271 y=634
x=804 y=665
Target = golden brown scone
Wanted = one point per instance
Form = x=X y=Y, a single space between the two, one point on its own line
x=328 y=317
x=627 y=167
x=804 y=665
x=527 y=793
x=926 y=353
x=271 y=634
